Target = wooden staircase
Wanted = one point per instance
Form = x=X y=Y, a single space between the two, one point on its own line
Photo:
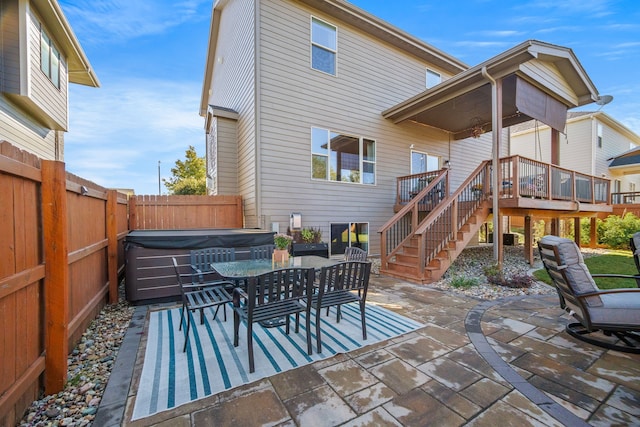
x=419 y=246
x=406 y=262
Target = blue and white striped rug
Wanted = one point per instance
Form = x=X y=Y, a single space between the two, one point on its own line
x=212 y=364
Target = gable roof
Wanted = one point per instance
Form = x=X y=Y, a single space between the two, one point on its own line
x=440 y=106
x=80 y=71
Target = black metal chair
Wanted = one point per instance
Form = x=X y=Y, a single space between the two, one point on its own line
x=341 y=284
x=198 y=297
x=634 y=244
x=278 y=293
x=201 y=260
x=261 y=252
x=355 y=254
x=603 y=315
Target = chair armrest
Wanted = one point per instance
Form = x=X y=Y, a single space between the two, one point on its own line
x=238 y=294
x=609 y=291
x=620 y=276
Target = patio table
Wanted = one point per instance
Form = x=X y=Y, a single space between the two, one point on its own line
x=243 y=270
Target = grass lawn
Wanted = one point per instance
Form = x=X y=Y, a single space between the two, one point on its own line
x=613 y=262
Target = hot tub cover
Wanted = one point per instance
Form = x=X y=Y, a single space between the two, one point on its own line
x=199 y=238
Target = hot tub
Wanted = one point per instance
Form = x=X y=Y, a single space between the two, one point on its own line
x=149 y=272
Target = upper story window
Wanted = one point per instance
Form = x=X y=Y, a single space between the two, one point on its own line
x=49 y=59
x=599 y=130
x=433 y=78
x=324 y=46
x=342 y=158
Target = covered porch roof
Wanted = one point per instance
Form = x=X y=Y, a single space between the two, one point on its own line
x=627 y=163
x=539 y=81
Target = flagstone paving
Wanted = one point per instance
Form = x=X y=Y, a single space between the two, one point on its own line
x=476 y=363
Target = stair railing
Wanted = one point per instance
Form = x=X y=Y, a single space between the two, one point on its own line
x=400 y=228
x=442 y=224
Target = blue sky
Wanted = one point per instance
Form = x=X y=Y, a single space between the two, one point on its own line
x=149 y=56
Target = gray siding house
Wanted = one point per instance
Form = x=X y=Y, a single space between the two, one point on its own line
x=318 y=107
x=39 y=57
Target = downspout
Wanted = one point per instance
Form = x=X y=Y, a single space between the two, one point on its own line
x=257 y=114
x=496 y=166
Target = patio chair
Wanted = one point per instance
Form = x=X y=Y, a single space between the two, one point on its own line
x=278 y=293
x=602 y=315
x=355 y=254
x=634 y=244
x=339 y=284
x=198 y=297
x=261 y=252
x=201 y=260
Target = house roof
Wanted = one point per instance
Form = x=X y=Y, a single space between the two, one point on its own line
x=462 y=102
x=353 y=15
x=80 y=71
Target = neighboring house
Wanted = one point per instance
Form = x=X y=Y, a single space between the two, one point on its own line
x=39 y=57
x=317 y=107
x=589 y=143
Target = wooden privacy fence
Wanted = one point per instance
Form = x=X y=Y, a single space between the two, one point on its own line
x=185 y=212
x=60 y=257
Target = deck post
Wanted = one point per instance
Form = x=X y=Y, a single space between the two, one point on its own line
x=576 y=230
x=528 y=240
x=592 y=233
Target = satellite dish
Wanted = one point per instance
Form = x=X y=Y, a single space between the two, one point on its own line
x=604 y=100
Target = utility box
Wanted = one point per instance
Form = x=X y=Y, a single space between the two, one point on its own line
x=508 y=239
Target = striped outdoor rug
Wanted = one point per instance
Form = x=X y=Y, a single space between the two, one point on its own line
x=211 y=364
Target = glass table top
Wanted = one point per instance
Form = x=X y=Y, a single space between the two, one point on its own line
x=251 y=268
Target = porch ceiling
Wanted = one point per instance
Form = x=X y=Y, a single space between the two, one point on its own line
x=463 y=102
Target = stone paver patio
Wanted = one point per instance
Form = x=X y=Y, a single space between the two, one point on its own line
x=481 y=363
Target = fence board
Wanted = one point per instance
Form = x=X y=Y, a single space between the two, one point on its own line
x=148 y=212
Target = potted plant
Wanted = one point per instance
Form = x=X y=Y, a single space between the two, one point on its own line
x=281 y=251
x=308 y=242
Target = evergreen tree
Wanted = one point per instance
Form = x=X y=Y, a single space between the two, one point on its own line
x=189 y=176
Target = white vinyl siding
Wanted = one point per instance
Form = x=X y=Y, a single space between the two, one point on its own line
x=233 y=87
x=23 y=132
x=227 y=156
x=372 y=77
x=549 y=75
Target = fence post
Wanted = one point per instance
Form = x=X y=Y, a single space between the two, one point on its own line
x=133 y=214
x=112 y=245
x=56 y=281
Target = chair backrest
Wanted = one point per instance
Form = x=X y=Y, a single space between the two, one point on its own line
x=634 y=244
x=261 y=252
x=355 y=254
x=564 y=262
x=177 y=271
x=348 y=275
x=201 y=260
x=278 y=285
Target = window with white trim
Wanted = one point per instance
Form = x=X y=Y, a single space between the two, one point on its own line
x=344 y=235
x=49 y=58
x=324 y=46
x=600 y=132
x=343 y=158
x=433 y=78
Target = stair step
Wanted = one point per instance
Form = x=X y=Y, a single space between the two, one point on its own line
x=405 y=258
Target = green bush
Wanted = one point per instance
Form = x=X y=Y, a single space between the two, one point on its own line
x=615 y=232
x=462 y=282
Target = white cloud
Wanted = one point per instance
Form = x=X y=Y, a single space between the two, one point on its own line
x=119 y=132
x=119 y=20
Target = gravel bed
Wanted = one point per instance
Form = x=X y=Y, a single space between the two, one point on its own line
x=91 y=361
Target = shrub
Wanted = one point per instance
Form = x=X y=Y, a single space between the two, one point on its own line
x=615 y=232
x=462 y=282
x=497 y=277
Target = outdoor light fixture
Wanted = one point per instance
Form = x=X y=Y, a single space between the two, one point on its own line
x=84 y=190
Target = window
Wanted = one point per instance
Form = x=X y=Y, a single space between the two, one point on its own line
x=348 y=234
x=433 y=78
x=49 y=59
x=422 y=162
x=323 y=46
x=599 y=130
x=343 y=158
